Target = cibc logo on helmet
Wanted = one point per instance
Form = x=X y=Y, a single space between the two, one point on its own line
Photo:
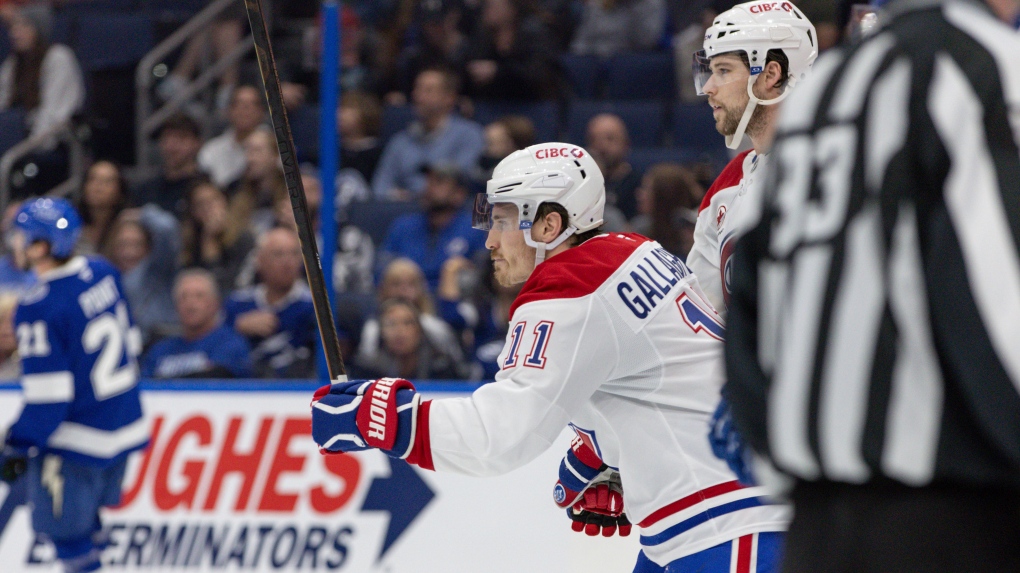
x=770 y=6
x=552 y=152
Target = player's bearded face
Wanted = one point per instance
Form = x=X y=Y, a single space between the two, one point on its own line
x=727 y=92
x=512 y=259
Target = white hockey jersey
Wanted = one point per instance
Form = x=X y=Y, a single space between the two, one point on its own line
x=728 y=210
x=615 y=337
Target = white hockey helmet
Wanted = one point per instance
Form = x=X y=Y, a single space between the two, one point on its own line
x=754 y=28
x=548 y=172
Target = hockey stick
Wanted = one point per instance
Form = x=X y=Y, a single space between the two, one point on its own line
x=285 y=141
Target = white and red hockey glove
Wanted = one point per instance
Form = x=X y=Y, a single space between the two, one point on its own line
x=591 y=492
x=386 y=414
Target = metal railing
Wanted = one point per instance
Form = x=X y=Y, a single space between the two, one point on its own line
x=147 y=120
x=63 y=133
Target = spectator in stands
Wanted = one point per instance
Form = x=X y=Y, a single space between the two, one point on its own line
x=609 y=144
x=223 y=157
x=502 y=137
x=360 y=122
x=511 y=56
x=477 y=307
x=443 y=228
x=14 y=274
x=283 y=211
x=610 y=27
x=10 y=364
x=403 y=280
x=103 y=198
x=276 y=315
x=668 y=201
x=405 y=351
x=144 y=246
x=441 y=44
x=223 y=35
x=254 y=196
x=45 y=81
x=206 y=348
x=180 y=139
x=212 y=238
x=438 y=135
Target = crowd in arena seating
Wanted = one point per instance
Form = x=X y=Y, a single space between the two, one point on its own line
x=434 y=94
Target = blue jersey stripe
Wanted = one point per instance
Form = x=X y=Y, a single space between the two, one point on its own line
x=692 y=522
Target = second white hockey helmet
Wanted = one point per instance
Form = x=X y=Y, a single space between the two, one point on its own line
x=754 y=28
x=548 y=172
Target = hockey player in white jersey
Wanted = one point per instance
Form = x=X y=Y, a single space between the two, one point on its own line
x=610 y=334
x=754 y=56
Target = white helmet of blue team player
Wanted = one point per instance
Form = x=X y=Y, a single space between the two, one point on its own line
x=752 y=30
x=548 y=172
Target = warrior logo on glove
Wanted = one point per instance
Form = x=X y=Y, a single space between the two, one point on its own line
x=363 y=414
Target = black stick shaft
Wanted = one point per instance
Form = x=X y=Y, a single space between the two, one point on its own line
x=309 y=251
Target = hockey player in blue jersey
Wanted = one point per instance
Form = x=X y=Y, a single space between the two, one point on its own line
x=82 y=414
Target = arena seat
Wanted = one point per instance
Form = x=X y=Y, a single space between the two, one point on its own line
x=642 y=158
x=12 y=128
x=545 y=115
x=304 y=125
x=584 y=75
x=640 y=76
x=375 y=217
x=105 y=41
x=644 y=120
x=694 y=128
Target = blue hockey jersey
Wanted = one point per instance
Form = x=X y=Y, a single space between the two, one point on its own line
x=79 y=348
x=220 y=354
x=287 y=353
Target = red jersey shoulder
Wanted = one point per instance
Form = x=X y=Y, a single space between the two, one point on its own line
x=579 y=271
x=730 y=176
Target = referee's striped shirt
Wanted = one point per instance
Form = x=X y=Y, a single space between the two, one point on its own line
x=874 y=329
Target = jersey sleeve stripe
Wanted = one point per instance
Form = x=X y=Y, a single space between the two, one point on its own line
x=80 y=438
x=703 y=517
x=48 y=387
x=689 y=501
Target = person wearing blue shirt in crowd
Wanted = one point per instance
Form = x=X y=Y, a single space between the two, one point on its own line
x=82 y=413
x=206 y=348
x=441 y=231
x=438 y=136
x=276 y=315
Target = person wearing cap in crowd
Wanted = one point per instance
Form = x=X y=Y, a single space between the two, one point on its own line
x=179 y=140
x=441 y=231
x=438 y=135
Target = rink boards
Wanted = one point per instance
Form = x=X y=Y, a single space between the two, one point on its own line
x=232 y=481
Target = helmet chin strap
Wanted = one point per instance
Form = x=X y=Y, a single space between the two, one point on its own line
x=542 y=248
x=733 y=141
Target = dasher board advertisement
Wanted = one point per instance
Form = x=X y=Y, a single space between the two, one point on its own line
x=232 y=481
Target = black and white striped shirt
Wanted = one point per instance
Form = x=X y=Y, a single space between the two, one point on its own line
x=874 y=328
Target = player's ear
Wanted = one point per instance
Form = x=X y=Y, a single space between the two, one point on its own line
x=772 y=75
x=551 y=227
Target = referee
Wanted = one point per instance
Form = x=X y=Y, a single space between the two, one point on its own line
x=873 y=344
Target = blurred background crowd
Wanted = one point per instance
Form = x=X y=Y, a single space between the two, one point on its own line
x=150 y=115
